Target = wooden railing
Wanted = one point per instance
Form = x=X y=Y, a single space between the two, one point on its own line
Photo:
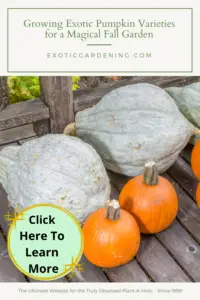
x=58 y=105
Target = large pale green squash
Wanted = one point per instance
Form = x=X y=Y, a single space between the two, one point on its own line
x=133 y=125
x=55 y=169
x=187 y=99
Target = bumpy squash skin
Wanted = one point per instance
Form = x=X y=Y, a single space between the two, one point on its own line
x=195 y=160
x=153 y=207
x=187 y=99
x=55 y=169
x=108 y=243
x=135 y=124
x=198 y=195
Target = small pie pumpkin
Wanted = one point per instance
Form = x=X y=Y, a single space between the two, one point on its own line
x=151 y=199
x=111 y=236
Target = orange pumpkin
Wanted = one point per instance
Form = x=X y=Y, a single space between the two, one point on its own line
x=151 y=199
x=111 y=236
x=198 y=195
x=195 y=160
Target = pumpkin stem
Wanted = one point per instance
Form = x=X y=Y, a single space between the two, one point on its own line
x=70 y=129
x=196 y=131
x=150 y=173
x=113 y=210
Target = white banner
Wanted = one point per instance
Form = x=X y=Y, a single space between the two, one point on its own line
x=129 y=38
x=96 y=291
x=100 y=40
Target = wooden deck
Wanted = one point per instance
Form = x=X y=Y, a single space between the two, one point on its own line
x=170 y=256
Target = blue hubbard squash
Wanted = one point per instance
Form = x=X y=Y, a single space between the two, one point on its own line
x=187 y=99
x=55 y=169
x=133 y=125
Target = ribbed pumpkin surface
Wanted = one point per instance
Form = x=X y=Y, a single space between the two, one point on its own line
x=135 y=124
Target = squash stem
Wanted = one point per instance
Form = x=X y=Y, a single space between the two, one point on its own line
x=113 y=210
x=196 y=131
x=70 y=129
x=150 y=173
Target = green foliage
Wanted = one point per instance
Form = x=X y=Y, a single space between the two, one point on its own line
x=75 y=81
x=22 y=88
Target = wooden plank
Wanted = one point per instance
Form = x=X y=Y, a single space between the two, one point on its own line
x=56 y=92
x=182 y=173
x=88 y=97
x=189 y=213
x=186 y=153
x=184 y=249
x=63 y=279
x=93 y=81
x=152 y=255
x=11 y=144
x=8 y=272
x=117 y=180
x=15 y=134
x=23 y=113
x=21 y=142
x=131 y=272
x=41 y=127
x=91 y=273
x=158 y=263
x=4 y=98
